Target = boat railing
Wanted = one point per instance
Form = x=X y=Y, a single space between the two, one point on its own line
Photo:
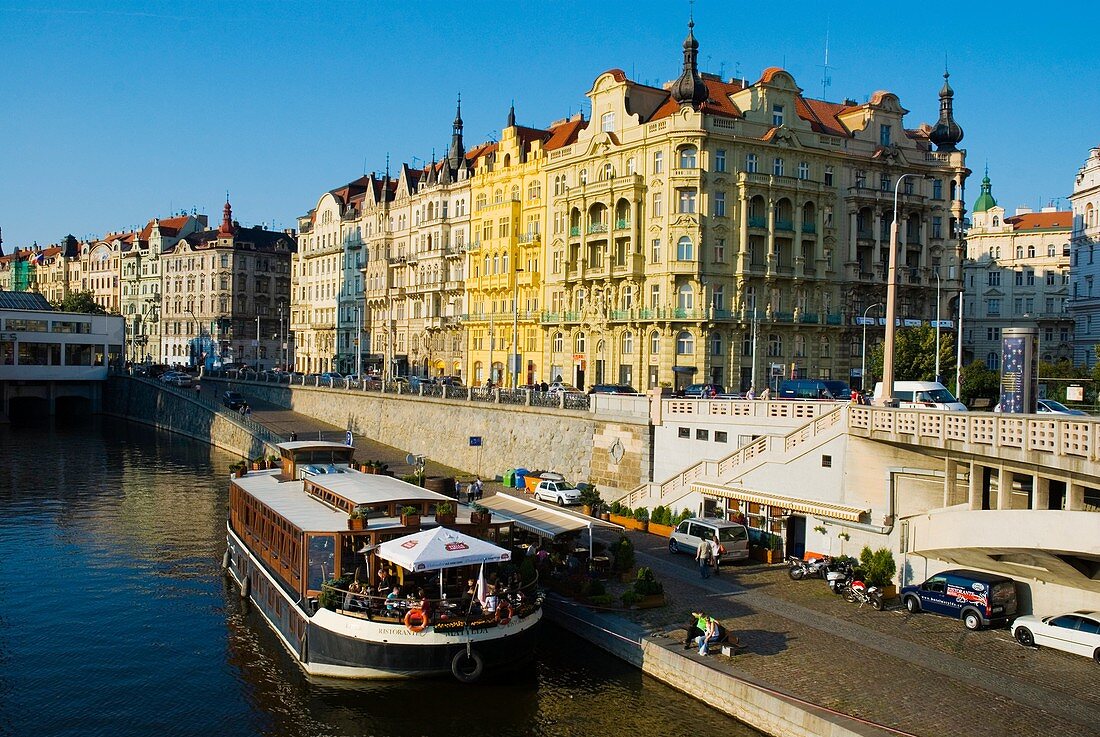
x=443 y=614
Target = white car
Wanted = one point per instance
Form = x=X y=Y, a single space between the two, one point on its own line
x=1076 y=632
x=558 y=492
x=176 y=378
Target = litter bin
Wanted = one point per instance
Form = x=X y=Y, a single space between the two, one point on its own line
x=532 y=482
x=519 y=480
x=510 y=478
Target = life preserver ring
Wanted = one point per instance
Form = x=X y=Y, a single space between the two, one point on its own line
x=504 y=613
x=417 y=616
x=460 y=666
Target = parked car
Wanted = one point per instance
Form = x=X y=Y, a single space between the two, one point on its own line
x=1076 y=632
x=176 y=378
x=922 y=395
x=838 y=391
x=455 y=381
x=612 y=389
x=733 y=538
x=559 y=387
x=559 y=492
x=1050 y=407
x=704 y=390
x=233 y=400
x=331 y=378
x=978 y=599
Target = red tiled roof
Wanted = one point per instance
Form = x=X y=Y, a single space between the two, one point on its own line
x=563 y=134
x=1041 y=220
x=824 y=114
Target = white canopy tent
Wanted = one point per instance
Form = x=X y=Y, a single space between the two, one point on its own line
x=439 y=548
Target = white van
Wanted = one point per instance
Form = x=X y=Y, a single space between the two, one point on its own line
x=733 y=538
x=921 y=395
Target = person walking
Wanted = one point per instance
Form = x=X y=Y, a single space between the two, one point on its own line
x=703 y=558
x=476 y=489
x=715 y=553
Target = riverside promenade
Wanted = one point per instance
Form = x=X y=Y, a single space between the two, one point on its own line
x=882 y=673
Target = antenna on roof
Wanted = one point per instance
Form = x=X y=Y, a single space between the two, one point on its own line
x=826 y=78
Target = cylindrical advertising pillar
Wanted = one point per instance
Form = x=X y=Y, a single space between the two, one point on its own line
x=1019 y=370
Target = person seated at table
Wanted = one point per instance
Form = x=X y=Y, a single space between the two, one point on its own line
x=354 y=598
x=382 y=582
x=393 y=602
x=424 y=604
x=541 y=556
x=469 y=603
x=492 y=601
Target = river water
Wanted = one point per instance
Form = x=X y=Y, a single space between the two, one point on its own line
x=115 y=619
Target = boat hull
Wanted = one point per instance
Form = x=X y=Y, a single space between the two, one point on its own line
x=332 y=644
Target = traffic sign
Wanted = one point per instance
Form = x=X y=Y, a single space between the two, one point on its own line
x=475 y=441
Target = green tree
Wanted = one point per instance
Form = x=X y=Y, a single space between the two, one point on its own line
x=79 y=302
x=1057 y=376
x=979 y=381
x=915 y=355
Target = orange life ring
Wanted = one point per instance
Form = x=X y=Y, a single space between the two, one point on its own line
x=504 y=613
x=420 y=618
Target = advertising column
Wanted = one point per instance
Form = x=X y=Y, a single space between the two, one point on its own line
x=1019 y=370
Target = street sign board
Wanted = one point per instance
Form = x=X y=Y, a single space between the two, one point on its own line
x=475 y=441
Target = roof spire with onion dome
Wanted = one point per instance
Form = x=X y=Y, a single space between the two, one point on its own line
x=456 y=155
x=226 y=229
x=946 y=133
x=689 y=88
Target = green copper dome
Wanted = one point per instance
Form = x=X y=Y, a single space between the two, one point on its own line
x=985 y=199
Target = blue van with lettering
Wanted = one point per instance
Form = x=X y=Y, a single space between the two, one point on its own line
x=978 y=599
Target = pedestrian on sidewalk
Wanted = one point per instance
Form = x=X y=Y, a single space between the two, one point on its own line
x=703 y=558
x=476 y=489
x=715 y=553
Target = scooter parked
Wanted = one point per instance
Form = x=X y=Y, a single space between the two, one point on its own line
x=800 y=568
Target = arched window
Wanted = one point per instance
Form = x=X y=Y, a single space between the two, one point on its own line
x=498 y=196
x=775 y=345
x=993 y=361
x=628 y=343
x=800 y=345
x=515 y=193
x=534 y=190
x=685 y=250
x=1019 y=251
x=716 y=344
x=996 y=221
x=480 y=202
x=685 y=297
x=1031 y=251
x=685 y=344
x=608 y=171
x=559 y=342
x=826 y=348
x=579 y=343
x=688 y=157
x=654 y=343
x=1051 y=252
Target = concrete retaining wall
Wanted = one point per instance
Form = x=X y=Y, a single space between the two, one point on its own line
x=580 y=445
x=149 y=404
x=752 y=703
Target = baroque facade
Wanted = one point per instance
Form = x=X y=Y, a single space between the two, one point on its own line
x=1084 y=245
x=1017 y=275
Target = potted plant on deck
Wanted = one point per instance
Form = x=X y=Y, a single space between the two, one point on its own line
x=410 y=517
x=356 y=520
x=480 y=515
x=238 y=469
x=273 y=461
x=879 y=569
x=591 y=501
x=445 y=513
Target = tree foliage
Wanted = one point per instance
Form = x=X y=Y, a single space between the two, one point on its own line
x=915 y=355
x=79 y=302
x=979 y=381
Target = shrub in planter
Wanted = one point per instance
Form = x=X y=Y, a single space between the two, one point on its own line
x=622 y=551
x=630 y=598
x=660 y=515
x=604 y=600
x=590 y=497
x=331 y=598
x=878 y=566
x=615 y=508
x=595 y=588
x=683 y=515
x=647 y=584
x=641 y=514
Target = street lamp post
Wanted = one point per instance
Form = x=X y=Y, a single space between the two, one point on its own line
x=863 y=365
x=891 y=302
x=515 y=327
x=358 y=343
x=937 y=324
x=282 y=341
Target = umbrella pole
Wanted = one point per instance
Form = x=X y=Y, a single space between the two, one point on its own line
x=591 y=545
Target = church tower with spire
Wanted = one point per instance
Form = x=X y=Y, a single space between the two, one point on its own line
x=946 y=134
x=227 y=229
x=689 y=88
x=456 y=154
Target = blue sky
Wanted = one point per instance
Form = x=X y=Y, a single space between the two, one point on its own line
x=115 y=112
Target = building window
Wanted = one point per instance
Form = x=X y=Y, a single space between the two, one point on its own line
x=720 y=160
x=884 y=135
x=559 y=342
x=861 y=179
x=884 y=182
x=579 y=343
x=701 y=434
x=658 y=162
x=777 y=115
x=829 y=176
x=628 y=343
x=993 y=307
x=720 y=436
x=937 y=226
x=685 y=344
x=1050 y=280
x=803 y=170
x=937 y=189
x=719 y=254
x=716 y=344
x=684 y=432
x=655 y=296
x=1019 y=278
x=993 y=279
x=658 y=204
x=685 y=249
x=826 y=461
x=654 y=343
x=751 y=163
x=688 y=156
x=775 y=345
x=720 y=204
x=993 y=361
x=1030 y=278
x=630 y=166
x=583 y=177
x=685 y=297
x=607 y=122
x=687 y=201
x=992 y=333
x=655 y=252
x=777 y=166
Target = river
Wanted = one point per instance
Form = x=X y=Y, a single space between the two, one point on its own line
x=116 y=620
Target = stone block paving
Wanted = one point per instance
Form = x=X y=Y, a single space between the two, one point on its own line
x=922 y=674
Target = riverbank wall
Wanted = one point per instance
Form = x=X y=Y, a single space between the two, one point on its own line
x=610 y=447
x=753 y=703
x=183 y=411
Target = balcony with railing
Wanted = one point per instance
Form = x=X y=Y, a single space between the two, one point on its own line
x=622 y=224
x=596 y=228
x=809 y=227
x=524 y=238
x=575 y=231
x=757 y=222
x=781 y=224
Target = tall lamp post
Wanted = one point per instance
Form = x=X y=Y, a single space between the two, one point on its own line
x=863 y=365
x=515 y=328
x=937 y=324
x=891 y=301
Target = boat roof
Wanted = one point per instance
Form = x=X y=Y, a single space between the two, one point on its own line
x=370 y=488
x=300 y=444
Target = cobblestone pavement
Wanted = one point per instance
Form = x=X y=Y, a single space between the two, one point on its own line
x=923 y=673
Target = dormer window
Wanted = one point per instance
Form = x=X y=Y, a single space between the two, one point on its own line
x=884 y=135
x=777 y=115
x=607 y=122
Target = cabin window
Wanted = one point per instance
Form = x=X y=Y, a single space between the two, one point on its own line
x=322 y=561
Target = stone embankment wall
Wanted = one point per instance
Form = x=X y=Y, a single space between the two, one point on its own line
x=753 y=703
x=611 y=450
x=178 y=411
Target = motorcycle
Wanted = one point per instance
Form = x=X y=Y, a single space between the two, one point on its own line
x=799 y=569
x=840 y=575
x=861 y=593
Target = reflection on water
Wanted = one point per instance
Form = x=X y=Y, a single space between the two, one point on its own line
x=116 y=619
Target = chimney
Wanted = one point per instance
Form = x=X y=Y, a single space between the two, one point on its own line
x=1023 y=210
